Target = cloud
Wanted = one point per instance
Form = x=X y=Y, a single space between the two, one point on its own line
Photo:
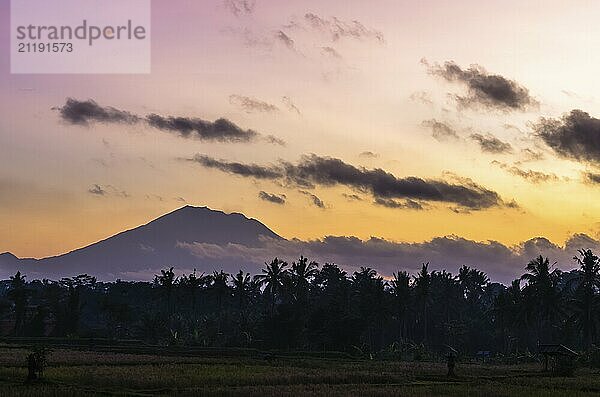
x=529 y=175
x=592 y=178
x=285 y=39
x=368 y=155
x=246 y=170
x=106 y=190
x=440 y=130
x=352 y=197
x=575 y=136
x=503 y=263
x=337 y=28
x=331 y=52
x=314 y=170
x=240 y=7
x=314 y=199
x=220 y=130
x=251 y=105
x=422 y=97
x=289 y=104
x=97 y=190
x=390 y=203
x=272 y=198
x=83 y=112
x=484 y=89
x=531 y=155
x=491 y=144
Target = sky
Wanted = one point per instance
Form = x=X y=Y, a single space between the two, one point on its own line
x=400 y=120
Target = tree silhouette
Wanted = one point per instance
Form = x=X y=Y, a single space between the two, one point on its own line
x=18 y=294
x=400 y=288
x=166 y=281
x=586 y=302
x=272 y=278
x=423 y=295
x=542 y=295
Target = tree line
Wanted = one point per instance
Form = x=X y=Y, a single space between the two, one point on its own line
x=305 y=306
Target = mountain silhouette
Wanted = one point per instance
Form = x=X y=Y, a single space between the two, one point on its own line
x=135 y=253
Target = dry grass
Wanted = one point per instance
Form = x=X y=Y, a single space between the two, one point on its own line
x=73 y=373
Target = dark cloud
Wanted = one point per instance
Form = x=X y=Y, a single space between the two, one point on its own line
x=338 y=29
x=575 y=136
x=251 y=105
x=488 y=90
x=390 y=203
x=368 y=155
x=440 y=130
x=84 y=112
x=246 y=170
x=529 y=175
x=490 y=144
x=316 y=201
x=289 y=104
x=272 y=198
x=592 y=178
x=221 y=130
x=502 y=263
x=314 y=170
x=240 y=7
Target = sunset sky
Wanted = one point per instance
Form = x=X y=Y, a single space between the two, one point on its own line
x=473 y=100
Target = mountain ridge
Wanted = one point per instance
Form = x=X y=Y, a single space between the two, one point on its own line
x=152 y=244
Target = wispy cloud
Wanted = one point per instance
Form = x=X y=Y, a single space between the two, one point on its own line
x=528 y=175
x=252 y=105
x=490 y=144
x=272 y=198
x=440 y=131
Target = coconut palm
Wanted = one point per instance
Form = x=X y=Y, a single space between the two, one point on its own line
x=586 y=302
x=422 y=285
x=542 y=294
x=19 y=295
x=302 y=273
x=273 y=278
x=400 y=288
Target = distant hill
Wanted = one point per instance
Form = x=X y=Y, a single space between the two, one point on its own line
x=130 y=254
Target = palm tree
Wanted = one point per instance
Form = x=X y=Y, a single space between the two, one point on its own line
x=302 y=272
x=586 y=300
x=220 y=288
x=166 y=281
x=400 y=288
x=543 y=294
x=472 y=282
x=423 y=294
x=242 y=284
x=507 y=312
x=273 y=278
x=19 y=295
x=192 y=283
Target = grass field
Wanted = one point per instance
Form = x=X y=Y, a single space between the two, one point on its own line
x=79 y=372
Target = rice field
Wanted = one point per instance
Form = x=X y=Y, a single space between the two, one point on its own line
x=79 y=372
